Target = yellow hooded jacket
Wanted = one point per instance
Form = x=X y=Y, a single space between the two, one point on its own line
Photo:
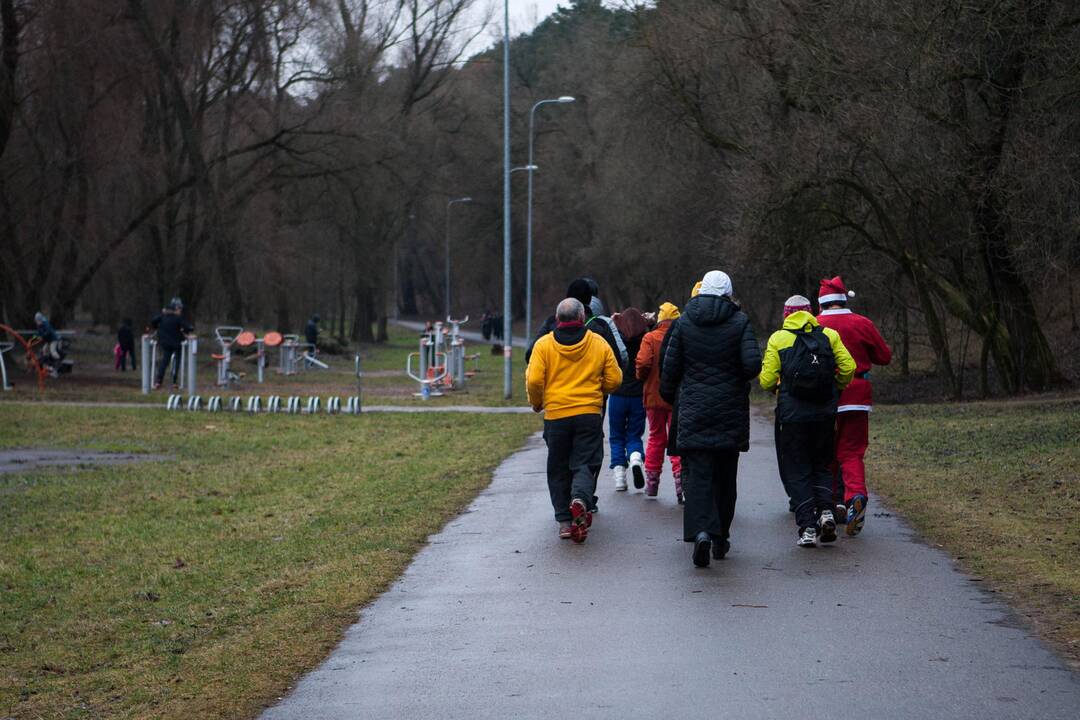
x=782 y=340
x=567 y=380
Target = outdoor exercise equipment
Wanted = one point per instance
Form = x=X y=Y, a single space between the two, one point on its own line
x=270 y=340
x=31 y=358
x=4 y=347
x=226 y=335
x=186 y=374
x=441 y=359
x=293 y=405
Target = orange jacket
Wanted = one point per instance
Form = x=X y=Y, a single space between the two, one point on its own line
x=648 y=366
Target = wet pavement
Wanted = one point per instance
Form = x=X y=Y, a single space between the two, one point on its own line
x=497 y=618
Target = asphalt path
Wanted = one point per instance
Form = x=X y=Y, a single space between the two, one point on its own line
x=497 y=618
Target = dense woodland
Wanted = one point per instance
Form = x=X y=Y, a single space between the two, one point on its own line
x=264 y=159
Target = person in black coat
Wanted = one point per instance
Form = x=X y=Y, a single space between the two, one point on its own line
x=711 y=357
x=583 y=290
x=125 y=338
x=172 y=330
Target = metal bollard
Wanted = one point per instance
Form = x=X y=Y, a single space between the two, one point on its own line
x=147 y=356
x=254 y=404
x=191 y=349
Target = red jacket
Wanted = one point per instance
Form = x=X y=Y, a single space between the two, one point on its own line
x=648 y=366
x=862 y=339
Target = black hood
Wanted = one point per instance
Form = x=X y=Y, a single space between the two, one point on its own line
x=705 y=310
x=569 y=335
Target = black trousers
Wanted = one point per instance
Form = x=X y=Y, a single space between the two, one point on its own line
x=125 y=353
x=168 y=354
x=709 y=486
x=779 y=459
x=575 y=456
x=805 y=453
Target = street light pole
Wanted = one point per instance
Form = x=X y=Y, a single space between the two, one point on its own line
x=508 y=340
x=447 y=249
x=528 y=222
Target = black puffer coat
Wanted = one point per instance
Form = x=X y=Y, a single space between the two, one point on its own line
x=711 y=358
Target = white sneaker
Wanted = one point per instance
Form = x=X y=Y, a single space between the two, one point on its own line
x=619 y=473
x=637 y=467
x=808 y=537
x=826 y=526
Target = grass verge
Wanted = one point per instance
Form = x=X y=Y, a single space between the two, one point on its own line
x=202 y=586
x=998 y=485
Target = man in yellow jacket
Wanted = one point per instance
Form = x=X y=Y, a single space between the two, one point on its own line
x=570 y=371
x=807 y=365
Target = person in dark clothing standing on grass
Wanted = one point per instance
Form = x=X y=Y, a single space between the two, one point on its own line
x=711 y=357
x=569 y=372
x=311 y=331
x=125 y=338
x=171 y=331
x=807 y=365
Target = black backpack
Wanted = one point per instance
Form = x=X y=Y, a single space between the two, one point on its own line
x=809 y=371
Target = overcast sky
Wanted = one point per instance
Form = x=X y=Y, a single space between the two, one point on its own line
x=524 y=16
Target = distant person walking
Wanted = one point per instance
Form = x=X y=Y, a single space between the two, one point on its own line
x=862 y=339
x=125 y=339
x=657 y=410
x=626 y=411
x=569 y=372
x=311 y=337
x=712 y=356
x=807 y=365
x=171 y=331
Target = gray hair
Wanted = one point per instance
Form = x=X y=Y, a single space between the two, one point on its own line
x=569 y=310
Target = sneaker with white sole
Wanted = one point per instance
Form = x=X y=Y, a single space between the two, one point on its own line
x=856 y=515
x=826 y=526
x=637 y=469
x=619 y=473
x=807 y=537
x=580 y=520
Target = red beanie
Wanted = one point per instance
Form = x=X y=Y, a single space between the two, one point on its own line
x=833 y=291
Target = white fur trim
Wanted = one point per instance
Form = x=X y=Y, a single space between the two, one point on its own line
x=835 y=297
x=836 y=311
x=854 y=408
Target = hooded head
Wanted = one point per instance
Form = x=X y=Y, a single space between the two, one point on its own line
x=716 y=282
x=581 y=291
x=696 y=289
x=315 y=318
x=668 y=311
x=39 y=317
x=833 y=292
x=176 y=304
x=795 y=303
x=595 y=306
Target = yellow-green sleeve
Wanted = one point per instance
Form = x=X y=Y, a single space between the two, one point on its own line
x=770 y=365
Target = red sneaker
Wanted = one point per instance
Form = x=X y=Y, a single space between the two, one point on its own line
x=581 y=520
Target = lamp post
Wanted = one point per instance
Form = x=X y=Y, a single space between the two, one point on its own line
x=508 y=340
x=447 y=251
x=528 y=220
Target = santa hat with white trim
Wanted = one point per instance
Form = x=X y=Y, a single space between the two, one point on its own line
x=833 y=291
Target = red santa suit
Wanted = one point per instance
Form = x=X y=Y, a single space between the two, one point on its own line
x=862 y=339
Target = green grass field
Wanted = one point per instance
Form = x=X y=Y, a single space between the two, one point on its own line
x=998 y=485
x=202 y=586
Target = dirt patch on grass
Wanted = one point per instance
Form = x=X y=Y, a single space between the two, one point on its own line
x=26 y=459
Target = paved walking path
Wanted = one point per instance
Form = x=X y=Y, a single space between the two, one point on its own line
x=496 y=618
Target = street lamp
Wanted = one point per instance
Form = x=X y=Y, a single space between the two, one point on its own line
x=447 y=251
x=528 y=222
x=508 y=340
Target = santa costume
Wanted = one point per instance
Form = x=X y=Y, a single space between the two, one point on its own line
x=862 y=339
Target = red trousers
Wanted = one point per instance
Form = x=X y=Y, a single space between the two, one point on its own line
x=852 y=437
x=659 y=420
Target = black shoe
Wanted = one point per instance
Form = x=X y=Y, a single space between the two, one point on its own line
x=720 y=549
x=702 y=545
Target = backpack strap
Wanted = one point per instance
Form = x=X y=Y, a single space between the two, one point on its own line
x=623 y=355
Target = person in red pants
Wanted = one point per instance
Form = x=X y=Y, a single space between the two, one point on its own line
x=862 y=339
x=657 y=411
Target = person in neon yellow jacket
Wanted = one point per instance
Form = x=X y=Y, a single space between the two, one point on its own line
x=805 y=419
